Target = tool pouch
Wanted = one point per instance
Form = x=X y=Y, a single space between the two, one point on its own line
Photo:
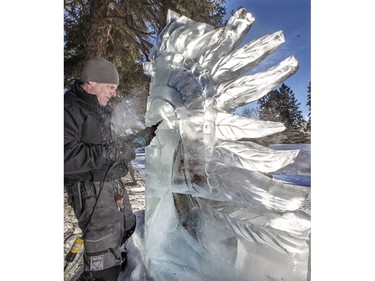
x=102 y=250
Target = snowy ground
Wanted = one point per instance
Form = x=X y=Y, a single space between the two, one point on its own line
x=297 y=173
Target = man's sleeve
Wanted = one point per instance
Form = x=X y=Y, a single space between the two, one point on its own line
x=79 y=157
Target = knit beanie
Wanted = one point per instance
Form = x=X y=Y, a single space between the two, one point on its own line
x=101 y=71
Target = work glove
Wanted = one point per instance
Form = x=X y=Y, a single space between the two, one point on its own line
x=123 y=149
x=145 y=136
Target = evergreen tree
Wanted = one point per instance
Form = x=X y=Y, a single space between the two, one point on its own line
x=308 y=104
x=281 y=105
x=123 y=31
x=249 y=112
x=294 y=114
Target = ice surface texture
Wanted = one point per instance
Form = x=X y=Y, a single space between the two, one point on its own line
x=212 y=213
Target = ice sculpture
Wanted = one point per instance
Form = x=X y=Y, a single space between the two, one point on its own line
x=212 y=211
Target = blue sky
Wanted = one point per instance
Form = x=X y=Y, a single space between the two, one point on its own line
x=293 y=17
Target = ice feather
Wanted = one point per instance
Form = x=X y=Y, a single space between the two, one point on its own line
x=233 y=127
x=244 y=90
x=254 y=157
x=246 y=58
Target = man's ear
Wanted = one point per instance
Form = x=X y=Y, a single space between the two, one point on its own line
x=91 y=83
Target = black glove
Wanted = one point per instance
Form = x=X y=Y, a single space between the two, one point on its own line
x=145 y=136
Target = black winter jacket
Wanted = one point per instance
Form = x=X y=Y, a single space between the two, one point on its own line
x=87 y=131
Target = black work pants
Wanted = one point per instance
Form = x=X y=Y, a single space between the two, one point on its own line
x=105 y=223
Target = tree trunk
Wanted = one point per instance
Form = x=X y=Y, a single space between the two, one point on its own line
x=97 y=40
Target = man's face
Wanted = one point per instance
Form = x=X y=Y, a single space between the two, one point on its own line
x=104 y=92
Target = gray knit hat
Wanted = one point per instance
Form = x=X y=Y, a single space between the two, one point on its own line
x=100 y=70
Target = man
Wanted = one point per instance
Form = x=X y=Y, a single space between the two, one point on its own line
x=94 y=163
